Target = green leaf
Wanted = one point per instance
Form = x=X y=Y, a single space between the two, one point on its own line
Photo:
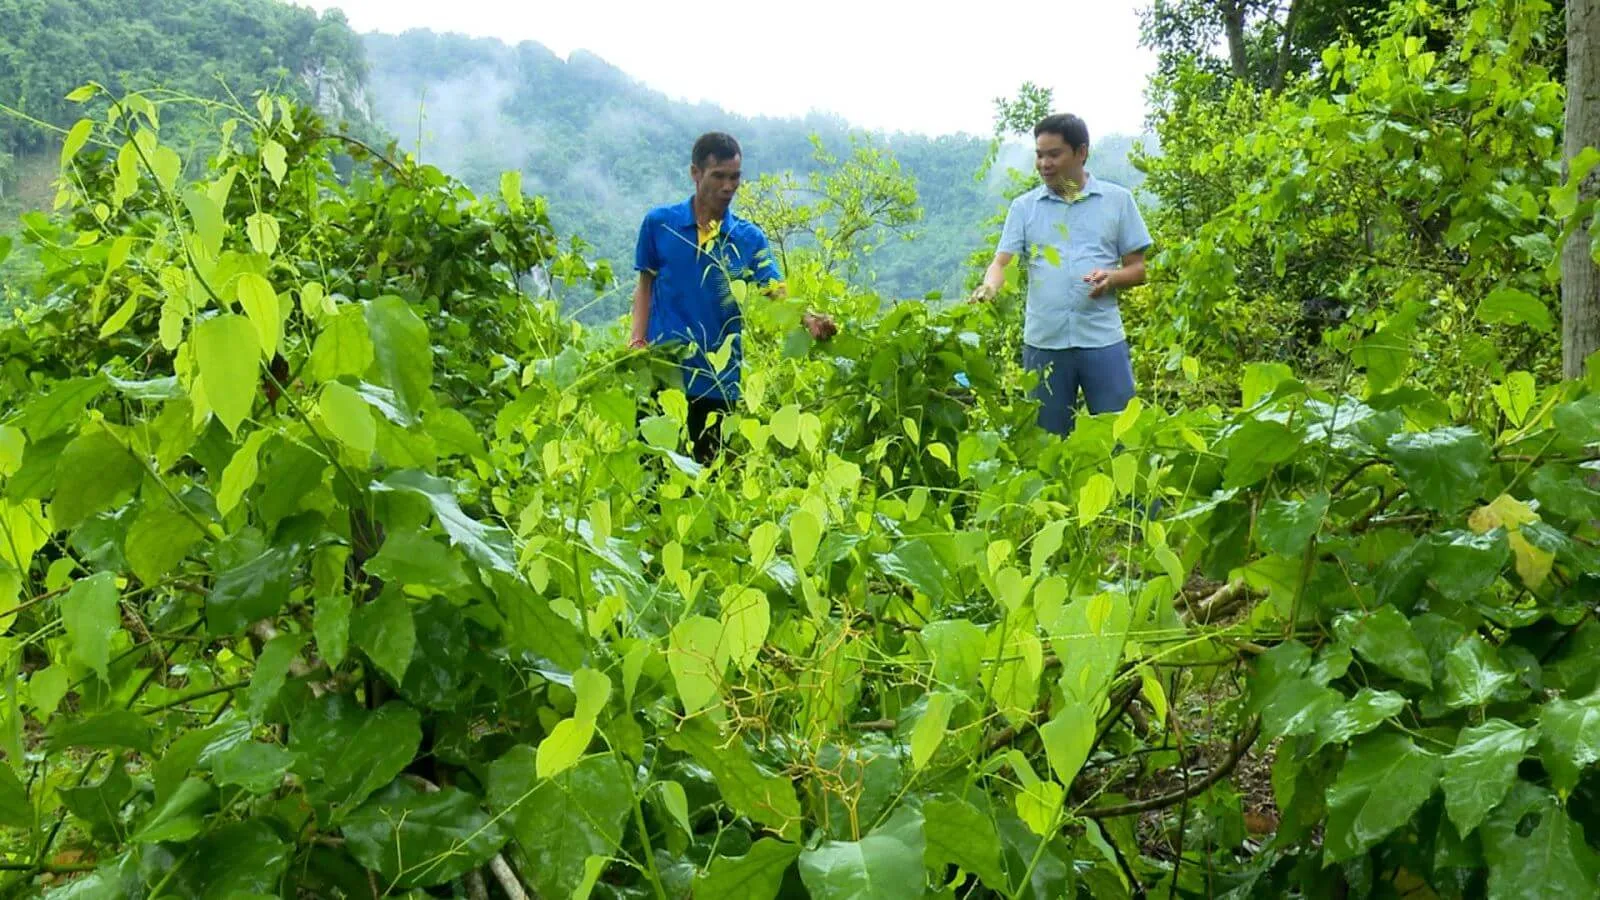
x=260 y=303
x=959 y=834
x=385 y=632
x=228 y=350
x=1299 y=707
x=805 y=534
x=248 y=593
x=1509 y=306
x=1384 y=638
x=330 y=622
x=13 y=444
x=166 y=166
x=915 y=563
x=345 y=752
x=746 y=618
x=956 y=648
x=1535 y=849
x=697 y=656
x=1578 y=421
x=241 y=472
x=62 y=406
x=885 y=865
x=488 y=546
x=411 y=557
x=563 y=747
x=929 y=731
x=1094 y=497
x=16 y=811
x=766 y=798
x=274 y=158
x=158 y=541
x=75 y=140
x=1443 y=468
x=1473 y=672
x=403 y=352
x=1570 y=738
x=1465 y=565
x=343 y=348
x=238 y=860
x=560 y=822
x=1481 y=769
x=257 y=767
x=263 y=231
x=348 y=417
x=1285 y=526
x=1255 y=449
x=182 y=817
x=757 y=875
x=206 y=216
x=1261 y=379
x=785 y=425
x=1365 y=711
x=1385 y=780
x=95 y=472
x=120 y=728
x=415 y=838
x=1067 y=739
x=272 y=670
x=91 y=613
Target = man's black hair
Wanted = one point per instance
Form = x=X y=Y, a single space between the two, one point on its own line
x=714 y=145
x=1066 y=126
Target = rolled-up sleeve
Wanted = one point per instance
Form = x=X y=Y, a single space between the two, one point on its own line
x=1013 y=237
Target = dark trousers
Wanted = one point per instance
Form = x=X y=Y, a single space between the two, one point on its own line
x=706 y=440
x=1103 y=374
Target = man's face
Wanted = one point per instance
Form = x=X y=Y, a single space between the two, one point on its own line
x=1055 y=160
x=716 y=184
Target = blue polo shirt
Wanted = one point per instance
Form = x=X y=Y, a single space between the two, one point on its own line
x=691 y=301
x=1062 y=241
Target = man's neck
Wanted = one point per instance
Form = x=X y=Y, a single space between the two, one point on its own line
x=704 y=215
x=1071 y=185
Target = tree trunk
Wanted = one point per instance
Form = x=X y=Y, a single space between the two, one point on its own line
x=1580 y=278
x=1233 y=25
x=1281 y=72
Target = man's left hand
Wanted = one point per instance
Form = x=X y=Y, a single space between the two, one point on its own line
x=1099 y=281
x=821 y=326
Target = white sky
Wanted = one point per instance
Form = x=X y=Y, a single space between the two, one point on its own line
x=891 y=65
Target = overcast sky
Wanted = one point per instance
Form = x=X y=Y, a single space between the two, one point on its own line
x=887 y=65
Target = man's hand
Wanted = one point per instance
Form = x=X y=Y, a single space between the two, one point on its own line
x=983 y=293
x=821 y=326
x=1099 y=280
x=638 y=343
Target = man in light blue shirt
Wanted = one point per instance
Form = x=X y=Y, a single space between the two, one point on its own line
x=1083 y=240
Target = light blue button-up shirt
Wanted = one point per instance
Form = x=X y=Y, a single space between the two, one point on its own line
x=1062 y=241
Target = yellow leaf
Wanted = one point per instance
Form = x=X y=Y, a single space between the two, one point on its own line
x=1533 y=564
x=1505 y=510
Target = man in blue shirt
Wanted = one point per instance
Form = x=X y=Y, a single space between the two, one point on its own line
x=688 y=256
x=1083 y=241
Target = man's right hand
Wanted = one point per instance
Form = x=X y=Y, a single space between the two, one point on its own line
x=983 y=293
x=638 y=343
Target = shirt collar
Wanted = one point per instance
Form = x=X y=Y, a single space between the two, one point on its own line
x=683 y=216
x=1091 y=187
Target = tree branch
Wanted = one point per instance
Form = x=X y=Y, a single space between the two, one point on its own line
x=1221 y=771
